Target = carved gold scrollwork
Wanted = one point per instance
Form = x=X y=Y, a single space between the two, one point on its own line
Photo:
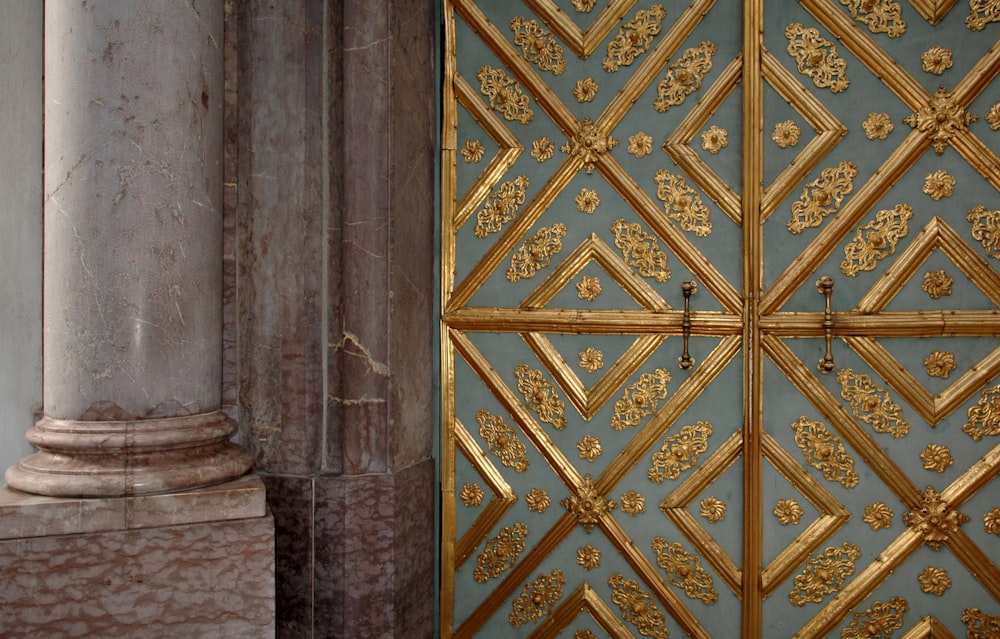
x=538 y=45
x=933 y=519
x=684 y=76
x=986 y=228
x=588 y=143
x=684 y=570
x=540 y=396
x=991 y=521
x=876 y=240
x=536 y=253
x=501 y=552
x=587 y=504
x=537 y=598
x=822 y=196
x=825 y=573
x=981 y=625
x=640 y=399
x=817 y=57
x=981 y=13
x=680 y=452
x=502 y=441
x=640 y=250
x=682 y=203
x=984 y=417
x=940 y=119
x=934 y=581
x=878 y=621
x=881 y=16
x=634 y=37
x=937 y=283
x=501 y=206
x=871 y=403
x=505 y=94
x=825 y=452
x=638 y=607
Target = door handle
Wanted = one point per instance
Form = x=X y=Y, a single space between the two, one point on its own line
x=688 y=289
x=825 y=287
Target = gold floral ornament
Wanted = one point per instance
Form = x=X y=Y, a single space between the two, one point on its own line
x=817 y=57
x=584 y=634
x=633 y=503
x=588 y=557
x=936 y=60
x=878 y=621
x=640 y=399
x=502 y=441
x=684 y=570
x=876 y=240
x=584 y=6
x=543 y=148
x=538 y=46
x=536 y=253
x=588 y=506
x=501 y=206
x=714 y=139
x=585 y=90
x=825 y=452
x=538 y=500
x=588 y=144
x=936 y=457
x=982 y=12
x=939 y=184
x=638 y=607
x=640 y=250
x=822 y=197
x=537 y=598
x=993 y=116
x=712 y=509
x=940 y=364
x=871 y=403
x=986 y=228
x=877 y=126
x=587 y=201
x=825 y=573
x=933 y=520
x=473 y=151
x=991 y=521
x=984 y=417
x=682 y=203
x=641 y=144
x=786 y=134
x=878 y=516
x=940 y=119
x=881 y=16
x=634 y=38
x=684 y=76
x=934 y=581
x=588 y=288
x=680 y=452
x=937 y=283
x=501 y=552
x=505 y=95
x=471 y=495
x=981 y=625
x=591 y=359
x=589 y=448
x=788 y=512
x=540 y=396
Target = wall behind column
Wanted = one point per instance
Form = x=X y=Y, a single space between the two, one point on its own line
x=21 y=52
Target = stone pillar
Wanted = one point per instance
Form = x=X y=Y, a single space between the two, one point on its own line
x=132 y=243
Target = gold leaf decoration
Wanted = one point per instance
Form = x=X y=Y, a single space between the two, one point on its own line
x=543 y=148
x=633 y=503
x=981 y=625
x=986 y=228
x=634 y=38
x=684 y=76
x=714 y=139
x=788 y=512
x=786 y=134
x=981 y=13
x=876 y=240
x=822 y=197
x=638 y=607
x=881 y=16
x=640 y=250
x=640 y=399
x=936 y=457
x=588 y=288
x=537 y=598
x=584 y=634
x=936 y=60
x=682 y=203
x=991 y=521
x=680 y=452
x=473 y=151
x=878 y=516
x=501 y=552
x=825 y=452
x=940 y=364
x=993 y=116
x=591 y=359
x=588 y=144
x=934 y=581
x=502 y=441
x=587 y=201
x=940 y=119
x=471 y=495
x=505 y=95
x=817 y=57
x=937 y=283
x=939 y=184
x=538 y=45
x=538 y=500
x=587 y=504
x=825 y=573
x=589 y=448
x=684 y=570
x=878 y=621
x=501 y=206
x=877 y=126
x=585 y=90
x=984 y=417
x=641 y=144
x=713 y=509
x=588 y=557
x=933 y=519
x=540 y=396
x=536 y=253
x=584 y=6
x=871 y=403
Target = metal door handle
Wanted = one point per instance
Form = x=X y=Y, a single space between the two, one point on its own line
x=689 y=289
x=825 y=286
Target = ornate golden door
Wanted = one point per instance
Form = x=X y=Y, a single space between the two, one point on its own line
x=719 y=316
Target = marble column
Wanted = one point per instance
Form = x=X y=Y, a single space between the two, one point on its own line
x=132 y=243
